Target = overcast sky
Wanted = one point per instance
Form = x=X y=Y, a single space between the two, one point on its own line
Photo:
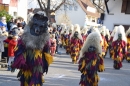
x=32 y=4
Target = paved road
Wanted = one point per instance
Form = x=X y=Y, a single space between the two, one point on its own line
x=63 y=73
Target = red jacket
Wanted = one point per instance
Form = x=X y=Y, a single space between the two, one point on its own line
x=11 y=47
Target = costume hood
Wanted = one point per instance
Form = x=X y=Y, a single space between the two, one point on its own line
x=114 y=31
x=127 y=32
x=31 y=41
x=77 y=28
x=120 y=30
x=93 y=39
x=64 y=28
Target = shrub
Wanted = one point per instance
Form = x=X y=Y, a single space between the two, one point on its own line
x=4 y=13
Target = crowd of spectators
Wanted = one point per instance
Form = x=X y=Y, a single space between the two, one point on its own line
x=10 y=32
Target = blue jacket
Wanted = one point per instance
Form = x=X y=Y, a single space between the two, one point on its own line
x=5 y=25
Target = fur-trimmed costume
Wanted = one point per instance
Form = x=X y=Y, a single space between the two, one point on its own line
x=31 y=56
x=76 y=43
x=119 y=47
x=91 y=61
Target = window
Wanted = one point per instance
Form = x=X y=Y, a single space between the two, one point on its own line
x=125 y=6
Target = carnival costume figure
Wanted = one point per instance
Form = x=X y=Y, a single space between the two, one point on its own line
x=31 y=56
x=63 y=35
x=84 y=33
x=76 y=43
x=70 y=30
x=104 y=42
x=111 y=51
x=53 y=44
x=128 y=45
x=90 y=61
x=119 y=47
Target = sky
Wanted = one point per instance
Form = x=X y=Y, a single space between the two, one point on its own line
x=32 y=4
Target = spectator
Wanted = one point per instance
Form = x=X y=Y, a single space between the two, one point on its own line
x=9 y=24
x=20 y=27
x=3 y=23
x=6 y=42
x=11 y=49
x=16 y=21
x=2 y=38
x=22 y=21
x=53 y=44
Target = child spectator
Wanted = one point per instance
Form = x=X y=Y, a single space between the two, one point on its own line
x=53 y=44
x=6 y=42
x=11 y=47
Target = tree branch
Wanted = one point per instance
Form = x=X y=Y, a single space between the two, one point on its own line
x=40 y=5
x=59 y=5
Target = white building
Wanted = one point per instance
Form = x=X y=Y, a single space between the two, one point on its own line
x=75 y=14
x=78 y=16
x=116 y=17
x=15 y=7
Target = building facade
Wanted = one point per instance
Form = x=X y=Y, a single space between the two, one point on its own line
x=15 y=7
x=119 y=14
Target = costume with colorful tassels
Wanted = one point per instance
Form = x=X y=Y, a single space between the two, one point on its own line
x=68 y=43
x=84 y=37
x=104 y=46
x=91 y=61
x=119 y=52
x=128 y=49
x=32 y=53
x=110 y=46
x=89 y=65
x=63 y=37
x=32 y=63
x=128 y=45
x=75 y=47
x=110 y=41
x=119 y=47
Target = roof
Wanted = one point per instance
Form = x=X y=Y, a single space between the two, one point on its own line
x=85 y=4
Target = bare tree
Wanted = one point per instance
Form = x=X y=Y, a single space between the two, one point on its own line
x=50 y=6
x=99 y=4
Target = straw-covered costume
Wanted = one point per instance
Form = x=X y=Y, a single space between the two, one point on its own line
x=90 y=60
x=31 y=56
x=119 y=47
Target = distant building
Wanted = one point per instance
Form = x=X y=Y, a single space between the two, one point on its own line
x=83 y=12
x=119 y=14
x=15 y=7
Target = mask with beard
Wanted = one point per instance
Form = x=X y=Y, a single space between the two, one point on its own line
x=91 y=49
x=39 y=25
x=76 y=34
x=36 y=35
x=119 y=36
